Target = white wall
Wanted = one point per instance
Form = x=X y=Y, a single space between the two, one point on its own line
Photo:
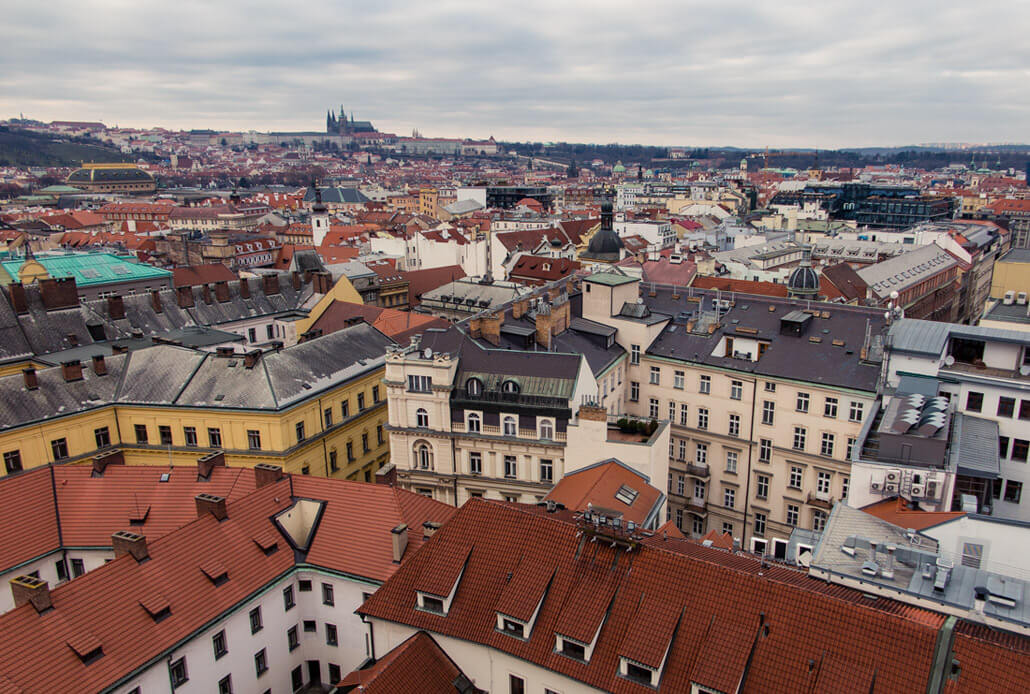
x=47 y=568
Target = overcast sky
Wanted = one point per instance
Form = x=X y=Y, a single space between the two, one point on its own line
x=718 y=72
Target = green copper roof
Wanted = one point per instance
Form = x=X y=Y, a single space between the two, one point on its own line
x=90 y=269
x=609 y=279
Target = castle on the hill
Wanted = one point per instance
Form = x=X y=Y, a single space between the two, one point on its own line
x=341 y=126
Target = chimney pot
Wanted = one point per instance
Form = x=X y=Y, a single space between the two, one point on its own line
x=119 y=349
x=225 y=351
x=31 y=380
x=222 y=292
x=244 y=288
x=99 y=365
x=209 y=503
x=207 y=463
x=155 y=301
x=400 y=542
x=184 y=297
x=26 y=589
x=19 y=302
x=124 y=542
x=115 y=307
x=72 y=371
x=250 y=359
x=266 y=473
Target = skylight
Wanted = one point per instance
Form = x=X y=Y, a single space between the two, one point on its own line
x=626 y=495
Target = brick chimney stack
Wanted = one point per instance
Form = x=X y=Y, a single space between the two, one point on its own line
x=244 y=288
x=29 y=589
x=207 y=464
x=72 y=371
x=124 y=542
x=209 y=503
x=155 y=300
x=115 y=307
x=31 y=379
x=99 y=365
x=266 y=473
x=184 y=297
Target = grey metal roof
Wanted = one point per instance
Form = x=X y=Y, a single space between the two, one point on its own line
x=930 y=337
x=1013 y=313
x=903 y=271
x=974 y=446
x=462 y=206
x=337 y=195
x=590 y=327
x=923 y=385
x=1016 y=255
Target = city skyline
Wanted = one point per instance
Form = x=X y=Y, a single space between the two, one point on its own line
x=676 y=74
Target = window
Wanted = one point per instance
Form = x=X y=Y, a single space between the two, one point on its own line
x=818 y=521
x=332 y=637
x=310 y=626
x=792 y=514
x=255 y=620
x=62 y=570
x=697 y=525
x=634 y=354
x=1020 y=449
x=420 y=384
x=516 y=685
x=1013 y=491
x=764 y=450
x=421 y=418
x=974 y=401
x=830 y=408
x=656 y=376
x=799 y=438
x=474 y=387
x=177 y=673
x=760 y=523
x=680 y=485
x=851 y=447
x=683 y=414
x=12 y=461
x=141 y=433
x=796 y=475
x=770 y=387
x=736 y=390
x=634 y=391
x=189 y=435
x=292 y=638
x=701 y=454
x=762 y=487
x=304 y=586
x=375 y=393
x=729 y=497
x=855 y=412
x=679 y=518
x=702 y=418
x=826 y=446
x=218 y=643
x=350 y=451
x=260 y=663
x=844 y=481
x=252 y=334
x=546 y=470
x=638 y=673
x=677 y=380
x=327 y=594
x=1006 y=406
x=214 y=437
x=1003 y=446
x=652 y=408
x=802 y=402
x=1024 y=409
x=510 y=467
x=734 y=429
x=289 y=601
x=78 y=568
x=510 y=426
x=379 y=434
x=510 y=626
x=361 y=402
x=572 y=649
x=706 y=385
x=59 y=447
x=672 y=411
x=822 y=484
x=727 y=528
x=335 y=674
x=510 y=387
x=300 y=431
x=269 y=331
x=476 y=463
x=547 y=429
x=731 y=462
x=165 y=432
x=683 y=449
x=768 y=412
x=254 y=439
x=344 y=409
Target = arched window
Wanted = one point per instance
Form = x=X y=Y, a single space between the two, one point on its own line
x=423 y=456
x=510 y=387
x=421 y=418
x=511 y=426
x=546 y=429
x=474 y=386
x=474 y=423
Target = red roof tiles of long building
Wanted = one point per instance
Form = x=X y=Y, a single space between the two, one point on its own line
x=416 y=665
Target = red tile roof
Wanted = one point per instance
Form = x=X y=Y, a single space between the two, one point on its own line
x=595 y=486
x=395 y=324
x=416 y=665
x=196 y=275
x=743 y=286
x=422 y=281
x=536 y=267
x=738 y=620
x=896 y=510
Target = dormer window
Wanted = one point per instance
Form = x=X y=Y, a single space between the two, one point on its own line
x=510 y=387
x=570 y=648
x=511 y=626
x=474 y=387
x=638 y=672
x=431 y=603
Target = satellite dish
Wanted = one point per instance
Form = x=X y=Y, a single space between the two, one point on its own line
x=1024 y=370
x=895 y=295
x=949 y=360
x=428 y=353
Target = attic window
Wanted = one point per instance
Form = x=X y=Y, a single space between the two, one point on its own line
x=431 y=603
x=638 y=672
x=510 y=387
x=157 y=606
x=474 y=386
x=626 y=495
x=570 y=648
x=165 y=476
x=138 y=515
x=215 y=571
x=87 y=647
x=511 y=626
x=267 y=542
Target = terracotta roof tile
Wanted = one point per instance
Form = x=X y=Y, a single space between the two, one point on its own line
x=416 y=665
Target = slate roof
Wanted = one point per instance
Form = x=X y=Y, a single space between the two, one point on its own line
x=723 y=619
x=335 y=195
x=906 y=270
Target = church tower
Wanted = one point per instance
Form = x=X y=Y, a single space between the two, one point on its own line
x=319 y=218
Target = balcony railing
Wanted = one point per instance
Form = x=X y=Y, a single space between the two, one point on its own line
x=695 y=504
x=494 y=430
x=698 y=470
x=820 y=500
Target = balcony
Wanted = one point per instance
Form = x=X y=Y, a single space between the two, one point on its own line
x=696 y=505
x=702 y=471
x=818 y=500
x=494 y=430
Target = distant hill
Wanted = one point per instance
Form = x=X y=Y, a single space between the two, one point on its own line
x=26 y=148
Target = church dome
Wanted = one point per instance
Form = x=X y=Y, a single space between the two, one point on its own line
x=604 y=242
x=803 y=281
x=619 y=168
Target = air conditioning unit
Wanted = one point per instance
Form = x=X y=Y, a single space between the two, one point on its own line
x=894 y=476
x=1021 y=298
x=1008 y=298
x=918 y=491
x=933 y=490
x=891 y=487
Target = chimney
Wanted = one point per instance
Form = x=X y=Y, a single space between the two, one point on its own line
x=270 y=284
x=593 y=413
x=209 y=503
x=123 y=542
x=205 y=292
x=31 y=380
x=295 y=280
x=400 y=542
x=888 y=570
x=19 y=302
x=99 y=365
x=209 y=462
x=222 y=292
x=115 y=307
x=491 y=327
x=119 y=349
x=265 y=474
x=476 y=328
x=58 y=293
x=72 y=370
x=519 y=308
x=224 y=351
x=100 y=462
x=387 y=475
x=73 y=339
x=26 y=589
x=184 y=296
x=429 y=529
x=155 y=301
x=544 y=325
x=244 y=288
x=250 y=359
